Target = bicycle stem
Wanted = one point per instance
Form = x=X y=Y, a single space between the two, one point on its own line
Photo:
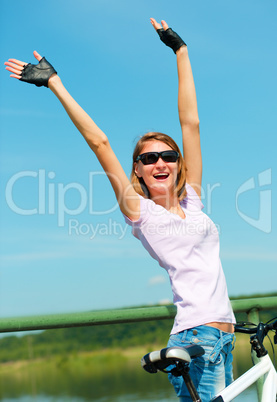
x=257 y=341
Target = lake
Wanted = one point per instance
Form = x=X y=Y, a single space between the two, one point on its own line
x=107 y=378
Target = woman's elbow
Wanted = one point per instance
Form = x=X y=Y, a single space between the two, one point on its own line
x=96 y=142
x=192 y=124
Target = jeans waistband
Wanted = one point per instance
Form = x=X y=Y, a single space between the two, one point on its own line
x=218 y=337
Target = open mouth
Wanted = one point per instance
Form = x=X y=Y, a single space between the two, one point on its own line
x=161 y=176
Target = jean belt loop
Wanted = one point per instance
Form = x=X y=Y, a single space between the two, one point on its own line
x=232 y=340
x=216 y=350
x=228 y=337
x=224 y=338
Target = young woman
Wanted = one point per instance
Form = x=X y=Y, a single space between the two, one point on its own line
x=162 y=204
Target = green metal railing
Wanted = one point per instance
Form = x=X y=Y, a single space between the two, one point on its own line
x=251 y=306
x=102 y=317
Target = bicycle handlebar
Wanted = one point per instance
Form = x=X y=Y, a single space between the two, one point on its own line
x=266 y=327
x=259 y=333
x=245 y=330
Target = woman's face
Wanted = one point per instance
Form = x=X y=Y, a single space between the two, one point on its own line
x=159 y=177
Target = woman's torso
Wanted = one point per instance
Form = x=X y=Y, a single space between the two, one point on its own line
x=188 y=248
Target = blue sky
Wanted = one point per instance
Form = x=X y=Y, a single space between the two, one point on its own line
x=64 y=244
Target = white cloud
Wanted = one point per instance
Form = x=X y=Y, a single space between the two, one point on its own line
x=156 y=280
x=25 y=257
x=165 y=302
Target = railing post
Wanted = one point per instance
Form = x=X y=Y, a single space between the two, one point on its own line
x=253 y=316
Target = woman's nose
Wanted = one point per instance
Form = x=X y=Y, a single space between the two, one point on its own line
x=160 y=163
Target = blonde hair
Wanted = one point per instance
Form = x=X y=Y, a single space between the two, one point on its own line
x=138 y=182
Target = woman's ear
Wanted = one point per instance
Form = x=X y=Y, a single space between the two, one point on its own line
x=136 y=168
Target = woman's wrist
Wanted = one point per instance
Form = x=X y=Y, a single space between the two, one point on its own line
x=53 y=81
x=182 y=50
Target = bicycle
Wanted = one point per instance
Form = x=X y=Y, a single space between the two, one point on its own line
x=180 y=357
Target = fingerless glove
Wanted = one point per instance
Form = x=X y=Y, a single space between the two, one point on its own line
x=171 y=39
x=38 y=74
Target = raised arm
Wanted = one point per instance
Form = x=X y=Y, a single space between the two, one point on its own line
x=187 y=106
x=127 y=198
x=189 y=120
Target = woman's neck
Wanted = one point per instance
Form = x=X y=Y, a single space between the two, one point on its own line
x=169 y=202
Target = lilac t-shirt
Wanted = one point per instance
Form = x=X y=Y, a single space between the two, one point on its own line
x=189 y=251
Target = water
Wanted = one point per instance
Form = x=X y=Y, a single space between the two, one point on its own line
x=103 y=377
x=63 y=384
x=159 y=396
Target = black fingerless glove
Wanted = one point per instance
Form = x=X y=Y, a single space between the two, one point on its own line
x=38 y=74
x=171 y=39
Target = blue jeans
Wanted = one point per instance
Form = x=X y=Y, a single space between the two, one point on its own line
x=211 y=372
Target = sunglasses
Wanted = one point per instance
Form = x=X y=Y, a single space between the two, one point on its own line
x=150 y=158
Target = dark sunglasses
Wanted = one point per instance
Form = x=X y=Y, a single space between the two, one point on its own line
x=152 y=157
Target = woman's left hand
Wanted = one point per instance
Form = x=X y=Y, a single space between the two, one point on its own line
x=167 y=35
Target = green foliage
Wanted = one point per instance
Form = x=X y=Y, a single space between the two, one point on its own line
x=72 y=340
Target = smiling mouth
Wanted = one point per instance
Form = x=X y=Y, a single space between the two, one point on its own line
x=161 y=176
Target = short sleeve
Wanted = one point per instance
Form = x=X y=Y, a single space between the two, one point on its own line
x=149 y=211
x=144 y=210
x=192 y=201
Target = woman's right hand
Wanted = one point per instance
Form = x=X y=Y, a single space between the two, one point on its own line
x=37 y=74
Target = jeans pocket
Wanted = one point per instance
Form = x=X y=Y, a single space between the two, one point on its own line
x=177 y=339
x=212 y=357
x=212 y=349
